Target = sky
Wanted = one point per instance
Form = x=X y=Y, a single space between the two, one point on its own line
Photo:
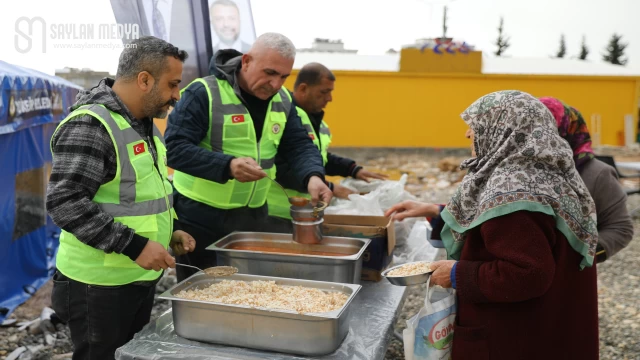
x=370 y=26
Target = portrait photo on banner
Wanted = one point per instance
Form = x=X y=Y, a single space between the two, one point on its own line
x=231 y=25
x=180 y=22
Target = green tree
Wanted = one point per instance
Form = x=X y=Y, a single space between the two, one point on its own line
x=615 y=51
x=584 y=50
x=503 y=41
x=563 y=48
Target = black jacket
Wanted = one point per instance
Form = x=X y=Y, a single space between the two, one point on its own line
x=188 y=125
x=336 y=165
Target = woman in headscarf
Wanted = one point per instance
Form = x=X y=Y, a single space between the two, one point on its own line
x=522 y=230
x=615 y=228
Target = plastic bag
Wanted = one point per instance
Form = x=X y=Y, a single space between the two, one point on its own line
x=416 y=246
x=429 y=334
x=361 y=186
x=386 y=194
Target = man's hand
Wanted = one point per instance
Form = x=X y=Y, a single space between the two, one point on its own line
x=441 y=273
x=368 y=175
x=182 y=243
x=318 y=191
x=342 y=192
x=411 y=209
x=246 y=170
x=155 y=257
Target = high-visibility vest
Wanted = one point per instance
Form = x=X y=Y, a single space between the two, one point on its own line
x=139 y=196
x=277 y=201
x=231 y=131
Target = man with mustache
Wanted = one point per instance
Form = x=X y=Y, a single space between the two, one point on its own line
x=225 y=21
x=109 y=192
x=222 y=140
x=312 y=92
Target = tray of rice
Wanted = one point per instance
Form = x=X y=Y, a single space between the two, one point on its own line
x=295 y=316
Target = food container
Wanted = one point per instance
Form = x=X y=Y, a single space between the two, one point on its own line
x=307 y=223
x=307 y=212
x=307 y=232
x=309 y=334
x=336 y=259
x=407 y=280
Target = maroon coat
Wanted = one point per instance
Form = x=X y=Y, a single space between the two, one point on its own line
x=521 y=294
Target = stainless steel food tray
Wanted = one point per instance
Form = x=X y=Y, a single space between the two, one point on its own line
x=341 y=269
x=310 y=334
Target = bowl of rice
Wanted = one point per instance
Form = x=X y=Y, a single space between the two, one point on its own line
x=413 y=273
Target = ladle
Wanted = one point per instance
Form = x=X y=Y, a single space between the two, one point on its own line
x=293 y=200
x=215 y=270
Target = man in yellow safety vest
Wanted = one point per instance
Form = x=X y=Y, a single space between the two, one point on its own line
x=222 y=140
x=109 y=192
x=312 y=92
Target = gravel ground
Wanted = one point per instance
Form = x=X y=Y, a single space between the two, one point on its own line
x=59 y=346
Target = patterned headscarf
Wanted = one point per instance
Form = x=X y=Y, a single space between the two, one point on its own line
x=521 y=163
x=572 y=128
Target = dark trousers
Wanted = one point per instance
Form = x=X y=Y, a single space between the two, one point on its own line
x=101 y=318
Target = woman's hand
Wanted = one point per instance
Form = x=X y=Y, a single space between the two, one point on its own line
x=411 y=209
x=441 y=273
x=182 y=243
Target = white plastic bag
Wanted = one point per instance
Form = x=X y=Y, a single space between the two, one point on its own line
x=361 y=186
x=386 y=194
x=429 y=334
x=417 y=247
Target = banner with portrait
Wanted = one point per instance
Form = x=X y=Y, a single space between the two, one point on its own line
x=199 y=27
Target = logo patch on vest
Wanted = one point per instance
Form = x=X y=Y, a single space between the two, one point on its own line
x=236 y=119
x=275 y=128
x=138 y=148
x=313 y=137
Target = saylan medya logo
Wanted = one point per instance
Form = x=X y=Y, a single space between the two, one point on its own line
x=441 y=334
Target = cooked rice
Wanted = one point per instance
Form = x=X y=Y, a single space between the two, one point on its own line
x=410 y=269
x=266 y=294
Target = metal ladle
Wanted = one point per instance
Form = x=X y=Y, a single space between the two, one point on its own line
x=215 y=270
x=293 y=200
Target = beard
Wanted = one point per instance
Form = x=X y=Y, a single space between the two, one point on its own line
x=154 y=104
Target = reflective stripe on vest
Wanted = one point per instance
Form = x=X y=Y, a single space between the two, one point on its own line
x=277 y=201
x=139 y=196
x=231 y=131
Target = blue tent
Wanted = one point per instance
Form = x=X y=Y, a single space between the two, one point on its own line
x=31 y=105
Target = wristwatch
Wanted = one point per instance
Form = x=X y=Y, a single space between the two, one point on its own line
x=601 y=254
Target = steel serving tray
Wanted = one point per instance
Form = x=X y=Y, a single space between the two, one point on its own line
x=345 y=268
x=309 y=334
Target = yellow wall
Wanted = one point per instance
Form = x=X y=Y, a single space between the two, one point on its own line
x=414 y=60
x=378 y=109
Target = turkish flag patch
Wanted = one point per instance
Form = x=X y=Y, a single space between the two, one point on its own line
x=237 y=119
x=138 y=149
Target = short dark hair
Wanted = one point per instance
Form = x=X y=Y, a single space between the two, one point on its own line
x=312 y=73
x=147 y=53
